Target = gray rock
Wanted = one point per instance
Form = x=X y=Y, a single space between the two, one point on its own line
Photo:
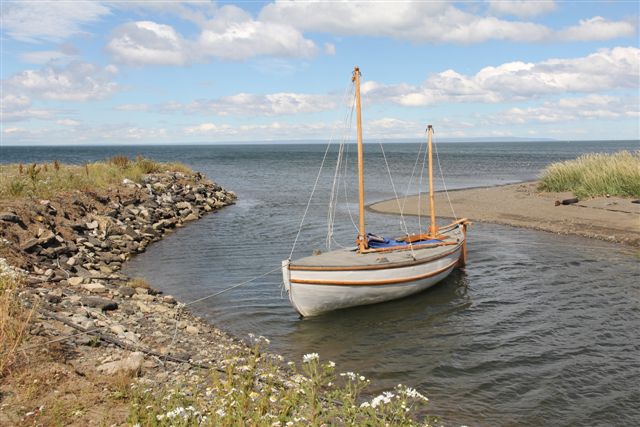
x=118 y=329
x=168 y=299
x=95 y=288
x=100 y=303
x=132 y=364
x=10 y=217
x=75 y=281
x=92 y=225
x=126 y=291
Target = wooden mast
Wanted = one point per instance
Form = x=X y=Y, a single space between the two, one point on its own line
x=433 y=228
x=361 y=240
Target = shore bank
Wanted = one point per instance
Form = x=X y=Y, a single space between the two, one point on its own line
x=611 y=219
x=68 y=251
x=82 y=344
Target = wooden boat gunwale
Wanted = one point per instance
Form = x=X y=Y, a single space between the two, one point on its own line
x=294 y=267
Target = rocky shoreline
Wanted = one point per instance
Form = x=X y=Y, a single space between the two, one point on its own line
x=69 y=250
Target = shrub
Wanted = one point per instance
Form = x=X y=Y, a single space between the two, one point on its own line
x=120 y=161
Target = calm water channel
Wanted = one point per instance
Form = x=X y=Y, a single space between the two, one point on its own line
x=538 y=329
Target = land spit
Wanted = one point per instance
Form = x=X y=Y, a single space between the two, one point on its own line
x=612 y=219
x=92 y=323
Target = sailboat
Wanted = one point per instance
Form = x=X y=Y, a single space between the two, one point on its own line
x=378 y=269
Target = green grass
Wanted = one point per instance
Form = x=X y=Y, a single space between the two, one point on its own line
x=595 y=174
x=48 y=179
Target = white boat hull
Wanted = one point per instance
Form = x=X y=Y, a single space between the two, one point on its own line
x=314 y=292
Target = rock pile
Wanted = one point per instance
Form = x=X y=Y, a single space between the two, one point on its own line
x=72 y=248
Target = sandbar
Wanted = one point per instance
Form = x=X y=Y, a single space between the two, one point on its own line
x=613 y=219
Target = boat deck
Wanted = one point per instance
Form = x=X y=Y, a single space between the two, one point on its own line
x=350 y=257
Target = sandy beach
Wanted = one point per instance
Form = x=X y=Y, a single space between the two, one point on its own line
x=612 y=219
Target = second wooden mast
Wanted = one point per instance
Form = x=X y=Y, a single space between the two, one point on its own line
x=433 y=228
x=362 y=241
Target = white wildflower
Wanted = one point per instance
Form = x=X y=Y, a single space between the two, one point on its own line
x=221 y=412
x=332 y=364
x=308 y=358
x=365 y=405
x=349 y=374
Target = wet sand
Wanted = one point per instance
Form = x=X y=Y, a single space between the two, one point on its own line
x=521 y=205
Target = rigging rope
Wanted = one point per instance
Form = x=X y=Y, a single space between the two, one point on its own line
x=444 y=185
x=315 y=184
x=402 y=222
x=339 y=173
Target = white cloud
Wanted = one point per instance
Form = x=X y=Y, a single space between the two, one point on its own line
x=597 y=28
x=246 y=104
x=36 y=21
x=234 y=34
x=146 y=42
x=210 y=129
x=77 y=81
x=604 y=70
x=267 y=131
x=15 y=108
x=12 y=130
x=132 y=107
x=231 y=35
x=571 y=109
x=522 y=8
x=45 y=56
x=329 y=49
x=68 y=122
x=434 y=21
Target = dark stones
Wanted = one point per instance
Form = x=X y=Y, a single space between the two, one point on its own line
x=10 y=217
x=100 y=303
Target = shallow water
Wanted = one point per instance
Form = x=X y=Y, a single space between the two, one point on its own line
x=538 y=329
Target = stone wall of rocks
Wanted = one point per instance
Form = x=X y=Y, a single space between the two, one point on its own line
x=70 y=250
x=83 y=240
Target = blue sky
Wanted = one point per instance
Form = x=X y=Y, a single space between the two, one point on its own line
x=105 y=72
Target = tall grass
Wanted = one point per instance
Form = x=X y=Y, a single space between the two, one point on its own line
x=595 y=174
x=14 y=319
x=48 y=179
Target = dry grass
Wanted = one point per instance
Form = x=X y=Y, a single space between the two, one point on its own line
x=138 y=282
x=48 y=179
x=596 y=174
x=14 y=320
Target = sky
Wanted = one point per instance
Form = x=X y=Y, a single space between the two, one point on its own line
x=131 y=72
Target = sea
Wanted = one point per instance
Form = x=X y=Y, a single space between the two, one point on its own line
x=538 y=329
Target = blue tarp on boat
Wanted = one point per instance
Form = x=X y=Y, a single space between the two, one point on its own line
x=377 y=242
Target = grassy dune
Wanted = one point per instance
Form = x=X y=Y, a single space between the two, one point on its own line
x=47 y=179
x=596 y=174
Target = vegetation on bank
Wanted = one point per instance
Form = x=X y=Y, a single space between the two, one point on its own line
x=14 y=319
x=254 y=389
x=251 y=392
x=595 y=174
x=48 y=179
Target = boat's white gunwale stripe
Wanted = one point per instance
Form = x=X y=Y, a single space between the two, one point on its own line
x=374 y=282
